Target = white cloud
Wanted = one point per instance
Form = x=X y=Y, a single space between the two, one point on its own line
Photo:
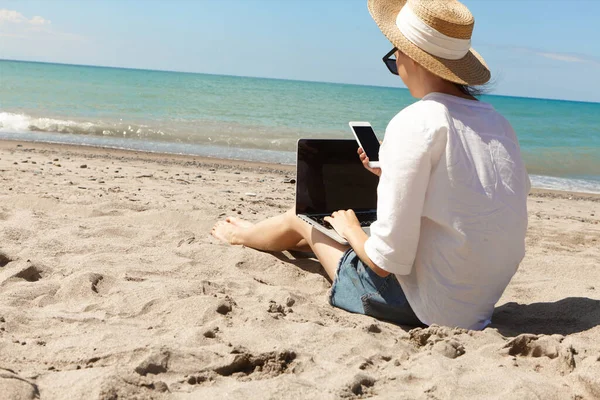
x=15 y=17
x=37 y=20
x=571 y=58
x=562 y=57
x=11 y=16
x=552 y=55
x=15 y=26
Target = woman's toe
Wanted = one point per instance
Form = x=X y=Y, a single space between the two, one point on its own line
x=223 y=231
x=239 y=222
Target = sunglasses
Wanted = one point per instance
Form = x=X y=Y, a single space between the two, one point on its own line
x=390 y=62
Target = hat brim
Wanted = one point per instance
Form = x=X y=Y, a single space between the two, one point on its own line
x=470 y=70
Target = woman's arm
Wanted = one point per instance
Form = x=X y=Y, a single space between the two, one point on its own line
x=347 y=225
x=415 y=140
x=357 y=239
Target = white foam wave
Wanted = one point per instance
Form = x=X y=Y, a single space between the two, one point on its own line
x=193 y=132
x=14 y=122
x=565 y=184
x=10 y=122
x=22 y=123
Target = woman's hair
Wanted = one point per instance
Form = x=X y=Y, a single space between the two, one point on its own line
x=475 y=91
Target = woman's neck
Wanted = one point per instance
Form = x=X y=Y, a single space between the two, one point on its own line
x=435 y=84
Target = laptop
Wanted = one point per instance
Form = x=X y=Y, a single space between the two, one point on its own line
x=331 y=177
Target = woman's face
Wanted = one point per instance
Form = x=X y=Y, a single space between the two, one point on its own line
x=405 y=68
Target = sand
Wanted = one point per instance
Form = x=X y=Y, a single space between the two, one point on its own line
x=111 y=286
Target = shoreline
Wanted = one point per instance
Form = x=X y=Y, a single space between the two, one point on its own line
x=171 y=158
x=164 y=158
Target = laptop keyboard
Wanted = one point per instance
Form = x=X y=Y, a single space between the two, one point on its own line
x=321 y=221
x=365 y=219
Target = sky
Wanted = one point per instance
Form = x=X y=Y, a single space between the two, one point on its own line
x=546 y=49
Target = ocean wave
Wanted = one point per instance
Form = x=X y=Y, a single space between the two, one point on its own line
x=17 y=123
x=193 y=132
x=565 y=184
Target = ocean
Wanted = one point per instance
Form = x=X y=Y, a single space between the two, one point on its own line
x=260 y=119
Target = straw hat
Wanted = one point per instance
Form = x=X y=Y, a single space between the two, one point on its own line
x=434 y=33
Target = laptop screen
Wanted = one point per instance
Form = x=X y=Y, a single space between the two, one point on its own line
x=330 y=177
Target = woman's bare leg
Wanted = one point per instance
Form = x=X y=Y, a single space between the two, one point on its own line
x=279 y=233
x=302 y=245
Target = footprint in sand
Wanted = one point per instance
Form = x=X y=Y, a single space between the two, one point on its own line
x=211 y=333
x=262 y=366
x=154 y=364
x=225 y=306
x=359 y=385
x=4 y=260
x=528 y=345
x=95 y=279
x=30 y=274
x=20 y=270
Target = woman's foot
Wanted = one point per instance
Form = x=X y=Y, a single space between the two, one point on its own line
x=226 y=230
x=242 y=223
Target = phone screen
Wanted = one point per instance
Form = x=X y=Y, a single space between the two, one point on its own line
x=368 y=140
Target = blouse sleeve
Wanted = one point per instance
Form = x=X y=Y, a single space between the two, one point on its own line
x=406 y=156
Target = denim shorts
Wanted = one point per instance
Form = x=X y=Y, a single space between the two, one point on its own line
x=358 y=289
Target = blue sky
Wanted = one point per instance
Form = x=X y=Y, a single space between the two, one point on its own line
x=548 y=49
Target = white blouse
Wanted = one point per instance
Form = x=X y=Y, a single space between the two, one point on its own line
x=451 y=208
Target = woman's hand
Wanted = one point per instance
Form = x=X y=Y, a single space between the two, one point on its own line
x=365 y=162
x=342 y=221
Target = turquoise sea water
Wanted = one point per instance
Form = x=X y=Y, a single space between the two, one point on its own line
x=260 y=119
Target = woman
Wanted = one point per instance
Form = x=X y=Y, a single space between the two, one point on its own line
x=451 y=211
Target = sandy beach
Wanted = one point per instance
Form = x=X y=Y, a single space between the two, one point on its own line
x=111 y=287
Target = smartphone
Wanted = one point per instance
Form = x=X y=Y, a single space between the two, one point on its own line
x=365 y=136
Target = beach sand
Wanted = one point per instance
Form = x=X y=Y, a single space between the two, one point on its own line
x=112 y=287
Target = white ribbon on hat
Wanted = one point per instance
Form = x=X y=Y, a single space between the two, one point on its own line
x=428 y=39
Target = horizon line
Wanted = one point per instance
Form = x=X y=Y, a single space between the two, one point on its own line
x=280 y=79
